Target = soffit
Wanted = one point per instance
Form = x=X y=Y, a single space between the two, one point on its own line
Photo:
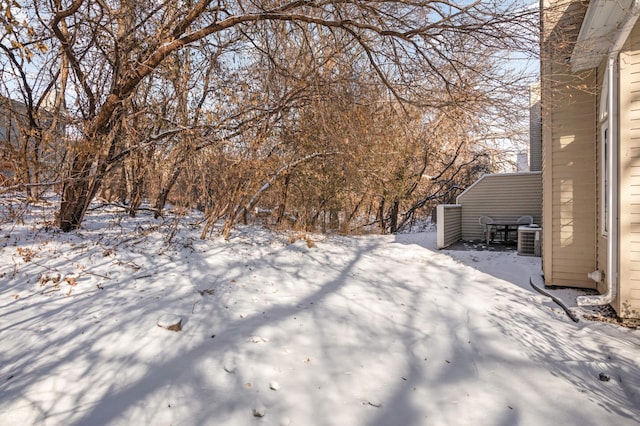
x=604 y=23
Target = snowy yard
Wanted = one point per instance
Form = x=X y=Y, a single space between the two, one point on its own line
x=373 y=330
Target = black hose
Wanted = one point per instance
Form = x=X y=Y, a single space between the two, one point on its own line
x=555 y=299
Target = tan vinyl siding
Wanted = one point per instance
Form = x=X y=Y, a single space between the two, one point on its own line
x=602 y=241
x=569 y=157
x=449 y=228
x=502 y=197
x=628 y=303
x=535 y=130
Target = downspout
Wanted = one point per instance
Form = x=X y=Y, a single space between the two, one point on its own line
x=611 y=277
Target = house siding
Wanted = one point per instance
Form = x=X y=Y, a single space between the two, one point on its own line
x=602 y=240
x=628 y=301
x=503 y=197
x=569 y=152
x=449 y=224
x=535 y=130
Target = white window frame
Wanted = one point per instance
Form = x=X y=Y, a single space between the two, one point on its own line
x=605 y=177
x=605 y=152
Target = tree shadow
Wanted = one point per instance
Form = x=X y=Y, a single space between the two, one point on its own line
x=356 y=331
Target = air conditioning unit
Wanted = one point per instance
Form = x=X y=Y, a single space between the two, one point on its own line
x=530 y=240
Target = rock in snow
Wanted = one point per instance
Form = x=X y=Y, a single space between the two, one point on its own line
x=274 y=386
x=259 y=410
x=170 y=322
x=229 y=363
x=374 y=402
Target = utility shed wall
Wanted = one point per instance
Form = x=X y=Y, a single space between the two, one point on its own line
x=569 y=151
x=503 y=197
x=628 y=303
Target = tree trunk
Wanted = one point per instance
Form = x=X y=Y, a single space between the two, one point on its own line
x=283 y=201
x=85 y=179
x=334 y=219
x=77 y=193
x=383 y=225
x=161 y=199
x=393 y=220
x=137 y=184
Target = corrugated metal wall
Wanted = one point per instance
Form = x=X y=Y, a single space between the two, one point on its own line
x=503 y=197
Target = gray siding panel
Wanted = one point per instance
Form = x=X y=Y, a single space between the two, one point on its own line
x=449 y=224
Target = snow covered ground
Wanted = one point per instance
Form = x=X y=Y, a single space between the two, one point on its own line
x=372 y=330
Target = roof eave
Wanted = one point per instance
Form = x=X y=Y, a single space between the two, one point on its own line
x=605 y=27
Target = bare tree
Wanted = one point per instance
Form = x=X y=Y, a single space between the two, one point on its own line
x=102 y=55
